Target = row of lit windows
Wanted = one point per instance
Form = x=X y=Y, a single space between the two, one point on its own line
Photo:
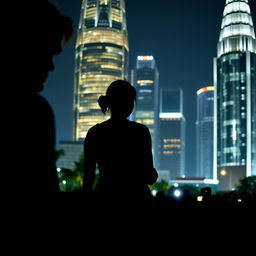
x=97 y=75
x=97 y=83
x=108 y=55
x=237 y=7
x=167 y=152
x=237 y=18
x=171 y=146
x=170 y=119
x=90 y=13
x=144 y=114
x=144 y=82
x=104 y=2
x=171 y=140
x=232 y=150
x=112 y=67
x=117 y=15
x=106 y=65
x=230 y=77
x=102 y=57
x=237 y=29
x=96 y=90
x=88 y=106
x=103 y=36
x=145 y=121
x=107 y=50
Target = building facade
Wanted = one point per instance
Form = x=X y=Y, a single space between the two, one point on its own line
x=235 y=99
x=145 y=79
x=101 y=56
x=170 y=146
x=204 y=132
x=73 y=150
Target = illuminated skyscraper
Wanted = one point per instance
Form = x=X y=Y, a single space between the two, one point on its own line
x=101 y=56
x=170 y=147
x=145 y=80
x=235 y=96
x=204 y=132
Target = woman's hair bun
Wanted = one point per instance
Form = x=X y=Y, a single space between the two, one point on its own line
x=103 y=103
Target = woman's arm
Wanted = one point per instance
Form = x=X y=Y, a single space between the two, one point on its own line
x=89 y=163
x=151 y=173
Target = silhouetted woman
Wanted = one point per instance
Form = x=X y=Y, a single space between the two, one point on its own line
x=121 y=149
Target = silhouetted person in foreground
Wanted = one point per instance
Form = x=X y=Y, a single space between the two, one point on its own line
x=36 y=33
x=122 y=151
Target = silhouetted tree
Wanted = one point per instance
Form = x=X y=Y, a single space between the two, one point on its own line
x=161 y=186
x=247 y=184
x=71 y=180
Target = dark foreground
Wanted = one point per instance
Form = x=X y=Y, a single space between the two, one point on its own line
x=219 y=225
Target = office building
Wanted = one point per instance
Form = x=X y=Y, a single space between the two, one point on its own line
x=204 y=132
x=235 y=96
x=145 y=79
x=101 y=56
x=170 y=147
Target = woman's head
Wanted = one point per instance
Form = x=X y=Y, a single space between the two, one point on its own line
x=119 y=99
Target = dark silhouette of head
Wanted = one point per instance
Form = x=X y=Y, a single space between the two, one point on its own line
x=119 y=99
x=41 y=29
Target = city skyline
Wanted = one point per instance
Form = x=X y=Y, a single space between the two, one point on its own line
x=182 y=37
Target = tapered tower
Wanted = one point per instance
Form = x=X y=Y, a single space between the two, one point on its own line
x=235 y=96
x=101 y=56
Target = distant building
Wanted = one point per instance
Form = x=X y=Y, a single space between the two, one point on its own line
x=235 y=97
x=101 y=56
x=204 y=132
x=145 y=79
x=163 y=176
x=72 y=150
x=170 y=147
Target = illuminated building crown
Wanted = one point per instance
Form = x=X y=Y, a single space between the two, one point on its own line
x=237 y=31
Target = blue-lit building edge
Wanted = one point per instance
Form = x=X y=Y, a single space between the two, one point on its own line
x=253 y=92
x=147 y=95
x=204 y=135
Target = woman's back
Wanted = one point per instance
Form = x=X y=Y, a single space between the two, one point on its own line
x=123 y=153
x=120 y=148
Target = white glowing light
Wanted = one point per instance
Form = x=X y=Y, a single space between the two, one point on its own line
x=200 y=198
x=170 y=115
x=154 y=192
x=176 y=185
x=177 y=193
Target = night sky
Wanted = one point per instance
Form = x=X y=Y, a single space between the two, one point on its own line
x=182 y=36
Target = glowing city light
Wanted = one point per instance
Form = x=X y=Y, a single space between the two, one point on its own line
x=177 y=193
x=223 y=172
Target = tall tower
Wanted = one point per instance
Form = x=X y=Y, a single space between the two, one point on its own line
x=101 y=56
x=145 y=80
x=204 y=132
x=170 y=150
x=235 y=96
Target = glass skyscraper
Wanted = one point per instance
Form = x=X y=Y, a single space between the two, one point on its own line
x=204 y=132
x=145 y=79
x=235 y=96
x=101 y=56
x=170 y=147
